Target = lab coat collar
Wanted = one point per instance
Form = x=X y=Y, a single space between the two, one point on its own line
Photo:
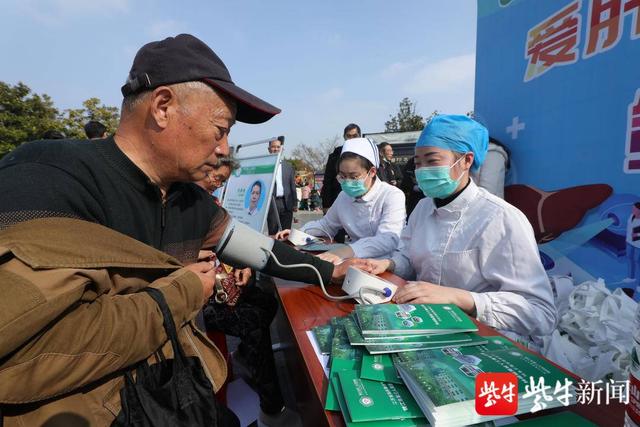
x=461 y=202
x=372 y=193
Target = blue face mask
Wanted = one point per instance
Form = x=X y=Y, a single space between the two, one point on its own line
x=436 y=182
x=354 y=187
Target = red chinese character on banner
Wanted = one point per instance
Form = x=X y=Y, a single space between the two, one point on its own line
x=496 y=393
x=605 y=26
x=633 y=6
x=553 y=42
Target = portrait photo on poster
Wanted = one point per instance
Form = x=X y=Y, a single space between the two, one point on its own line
x=254 y=197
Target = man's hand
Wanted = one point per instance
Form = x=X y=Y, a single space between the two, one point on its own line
x=282 y=235
x=207 y=275
x=428 y=293
x=340 y=270
x=205 y=255
x=332 y=258
x=242 y=276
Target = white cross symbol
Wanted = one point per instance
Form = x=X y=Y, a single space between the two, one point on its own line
x=515 y=127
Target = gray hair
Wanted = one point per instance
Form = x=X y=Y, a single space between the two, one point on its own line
x=131 y=102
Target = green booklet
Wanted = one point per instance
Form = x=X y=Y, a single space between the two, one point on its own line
x=443 y=381
x=323 y=335
x=467 y=339
x=374 y=400
x=412 y=319
x=379 y=367
x=343 y=357
x=493 y=343
x=413 y=342
x=408 y=422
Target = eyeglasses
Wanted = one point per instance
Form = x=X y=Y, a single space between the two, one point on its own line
x=341 y=178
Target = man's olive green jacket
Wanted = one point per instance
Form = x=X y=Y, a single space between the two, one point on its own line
x=72 y=320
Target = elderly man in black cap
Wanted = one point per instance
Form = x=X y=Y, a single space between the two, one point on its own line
x=179 y=106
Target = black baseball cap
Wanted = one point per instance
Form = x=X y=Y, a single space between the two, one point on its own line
x=186 y=58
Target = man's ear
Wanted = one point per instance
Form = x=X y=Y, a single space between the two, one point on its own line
x=163 y=102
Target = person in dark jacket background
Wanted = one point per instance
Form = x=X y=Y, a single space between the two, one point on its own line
x=331 y=186
x=388 y=171
x=284 y=193
x=410 y=187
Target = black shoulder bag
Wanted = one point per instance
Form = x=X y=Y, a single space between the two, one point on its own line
x=174 y=392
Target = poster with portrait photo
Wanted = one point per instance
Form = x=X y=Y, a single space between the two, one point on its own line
x=249 y=189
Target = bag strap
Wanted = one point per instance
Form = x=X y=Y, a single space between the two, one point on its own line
x=169 y=325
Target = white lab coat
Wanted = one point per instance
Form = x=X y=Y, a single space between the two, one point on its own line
x=484 y=245
x=373 y=222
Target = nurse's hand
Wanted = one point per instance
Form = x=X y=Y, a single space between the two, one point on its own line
x=428 y=293
x=282 y=235
x=379 y=266
x=340 y=270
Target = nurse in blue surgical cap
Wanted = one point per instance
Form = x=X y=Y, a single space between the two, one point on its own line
x=465 y=246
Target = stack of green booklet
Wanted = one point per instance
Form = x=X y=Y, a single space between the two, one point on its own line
x=442 y=381
x=390 y=328
x=363 y=402
x=344 y=357
x=366 y=403
x=412 y=319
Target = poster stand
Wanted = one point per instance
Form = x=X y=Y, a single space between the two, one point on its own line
x=254 y=173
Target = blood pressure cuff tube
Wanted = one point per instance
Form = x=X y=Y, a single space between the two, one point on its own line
x=288 y=255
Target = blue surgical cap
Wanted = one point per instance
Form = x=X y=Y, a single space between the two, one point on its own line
x=456 y=133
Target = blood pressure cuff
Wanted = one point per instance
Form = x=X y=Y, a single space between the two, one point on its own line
x=288 y=256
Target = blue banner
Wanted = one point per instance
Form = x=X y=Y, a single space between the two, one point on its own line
x=558 y=82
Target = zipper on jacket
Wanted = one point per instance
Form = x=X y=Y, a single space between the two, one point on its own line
x=163 y=223
x=199 y=355
x=159 y=237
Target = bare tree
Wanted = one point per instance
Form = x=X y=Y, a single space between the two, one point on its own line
x=316 y=155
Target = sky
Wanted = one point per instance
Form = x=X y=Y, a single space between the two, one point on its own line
x=325 y=63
